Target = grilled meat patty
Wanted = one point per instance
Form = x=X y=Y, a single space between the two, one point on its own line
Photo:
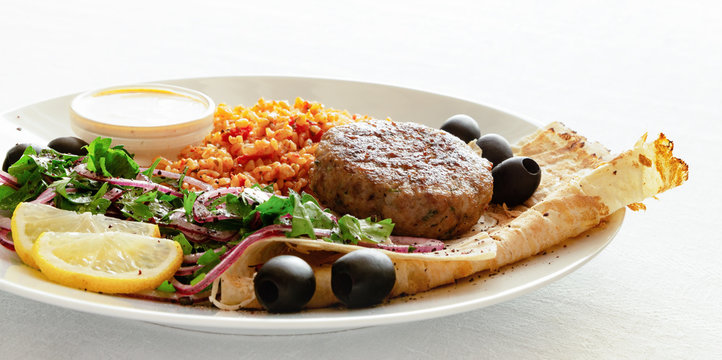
x=430 y=183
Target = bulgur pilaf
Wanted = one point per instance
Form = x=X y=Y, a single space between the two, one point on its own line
x=271 y=142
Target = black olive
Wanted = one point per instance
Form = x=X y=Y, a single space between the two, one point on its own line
x=69 y=145
x=515 y=180
x=362 y=278
x=494 y=148
x=16 y=152
x=462 y=126
x=284 y=284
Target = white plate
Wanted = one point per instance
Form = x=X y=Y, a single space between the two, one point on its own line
x=45 y=120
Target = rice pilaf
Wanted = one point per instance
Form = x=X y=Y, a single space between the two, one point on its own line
x=271 y=142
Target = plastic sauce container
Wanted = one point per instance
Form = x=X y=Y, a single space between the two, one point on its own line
x=149 y=120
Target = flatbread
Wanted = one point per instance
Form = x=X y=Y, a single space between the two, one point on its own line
x=582 y=184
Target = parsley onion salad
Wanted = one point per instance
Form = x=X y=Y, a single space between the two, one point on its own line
x=212 y=226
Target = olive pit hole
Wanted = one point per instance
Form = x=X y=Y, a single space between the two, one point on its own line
x=530 y=165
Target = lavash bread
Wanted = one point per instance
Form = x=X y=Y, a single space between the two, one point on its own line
x=581 y=186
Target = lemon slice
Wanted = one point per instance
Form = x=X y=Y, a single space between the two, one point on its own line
x=30 y=220
x=110 y=262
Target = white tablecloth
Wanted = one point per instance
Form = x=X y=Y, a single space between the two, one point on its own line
x=610 y=69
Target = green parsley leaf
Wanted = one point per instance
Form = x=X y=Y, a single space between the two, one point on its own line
x=184 y=244
x=166 y=286
x=211 y=256
x=146 y=197
x=139 y=212
x=274 y=207
x=307 y=215
x=198 y=278
x=189 y=198
x=98 y=204
x=149 y=171
x=352 y=230
x=110 y=162
x=182 y=177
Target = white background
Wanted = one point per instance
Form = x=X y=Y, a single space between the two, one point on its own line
x=612 y=70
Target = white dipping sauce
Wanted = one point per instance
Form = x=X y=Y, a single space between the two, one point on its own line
x=150 y=120
x=141 y=107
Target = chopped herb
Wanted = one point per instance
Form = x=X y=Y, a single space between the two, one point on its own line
x=211 y=256
x=352 y=230
x=166 y=286
x=274 y=207
x=110 y=161
x=307 y=215
x=182 y=177
x=149 y=172
x=189 y=198
x=198 y=278
x=184 y=244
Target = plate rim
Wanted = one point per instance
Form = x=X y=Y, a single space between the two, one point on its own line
x=501 y=109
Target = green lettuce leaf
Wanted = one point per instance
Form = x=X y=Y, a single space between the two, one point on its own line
x=352 y=230
x=110 y=161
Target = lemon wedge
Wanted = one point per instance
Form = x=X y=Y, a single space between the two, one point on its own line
x=30 y=220
x=110 y=262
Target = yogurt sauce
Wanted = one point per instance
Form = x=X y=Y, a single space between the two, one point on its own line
x=141 y=107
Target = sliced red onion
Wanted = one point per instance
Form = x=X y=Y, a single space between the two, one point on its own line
x=6 y=240
x=231 y=257
x=177 y=221
x=415 y=241
x=402 y=248
x=201 y=213
x=400 y=244
x=113 y=194
x=7 y=179
x=188 y=180
x=207 y=196
x=172 y=297
x=82 y=169
x=406 y=244
x=322 y=233
x=188 y=270
x=257 y=196
x=190 y=236
x=45 y=197
x=5 y=223
x=147 y=185
x=193 y=258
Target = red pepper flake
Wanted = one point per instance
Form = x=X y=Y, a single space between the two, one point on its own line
x=244 y=132
x=139 y=272
x=317 y=136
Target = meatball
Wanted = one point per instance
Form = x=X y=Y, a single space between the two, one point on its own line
x=430 y=183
